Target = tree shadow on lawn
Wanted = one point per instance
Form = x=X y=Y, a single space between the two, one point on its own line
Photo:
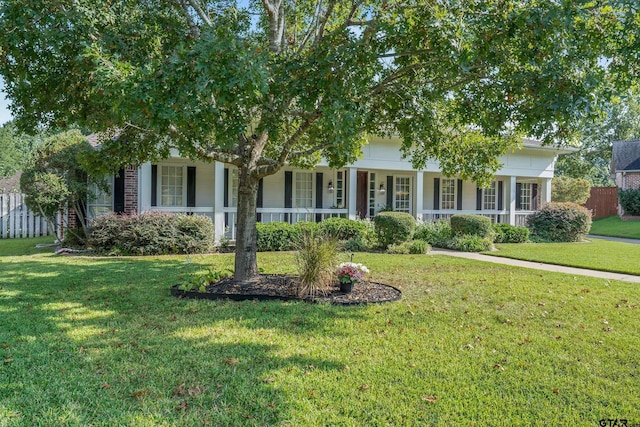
x=101 y=341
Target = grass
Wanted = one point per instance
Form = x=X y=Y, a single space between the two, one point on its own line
x=99 y=341
x=595 y=254
x=615 y=227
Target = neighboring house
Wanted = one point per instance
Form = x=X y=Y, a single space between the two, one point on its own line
x=380 y=180
x=625 y=165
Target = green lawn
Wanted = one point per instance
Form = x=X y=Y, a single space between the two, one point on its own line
x=99 y=341
x=615 y=227
x=595 y=254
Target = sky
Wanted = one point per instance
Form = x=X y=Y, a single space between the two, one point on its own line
x=5 y=114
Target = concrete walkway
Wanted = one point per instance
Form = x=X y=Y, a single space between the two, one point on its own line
x=538 y=265
x=615 y=239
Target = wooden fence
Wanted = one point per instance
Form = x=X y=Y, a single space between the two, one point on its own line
x=16 y=221
x=603 y=201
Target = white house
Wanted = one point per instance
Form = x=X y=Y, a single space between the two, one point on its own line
x=381 y=179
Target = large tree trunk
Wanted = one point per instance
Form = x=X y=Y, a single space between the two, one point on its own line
x=246 y=264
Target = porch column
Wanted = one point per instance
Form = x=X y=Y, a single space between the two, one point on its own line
x=545 y=196
x=144 y=187
x=353 y=192
x=218 y=200
x=419 y=195
x=512 y=200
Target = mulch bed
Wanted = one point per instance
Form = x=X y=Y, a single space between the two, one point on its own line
x=283 y=287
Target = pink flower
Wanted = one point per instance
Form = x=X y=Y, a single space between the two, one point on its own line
x=349 y=272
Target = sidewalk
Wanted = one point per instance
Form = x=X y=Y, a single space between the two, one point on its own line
x=615 y=239
x=538 y=265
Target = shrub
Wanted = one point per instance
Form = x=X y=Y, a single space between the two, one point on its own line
x=410 y=247
x=567 y=189
x=393 y=227
x=282 y=236
x=151 y=233
x=472 y=225
x=630 y=200
x=357 y=244
x=342 y=228
x=276 y=236
x=315 y=259
x=398 y=248
x=470 y=243
x=435 y=233
x=559 y=222
x=419 y=247
x=75 y=237
x=506 y=233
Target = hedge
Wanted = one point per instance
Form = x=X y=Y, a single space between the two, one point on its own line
x=470 y=225
x=151 y=233
x=393 y=227
x=559 y=222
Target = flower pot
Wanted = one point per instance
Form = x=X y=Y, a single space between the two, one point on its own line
x=346 y=287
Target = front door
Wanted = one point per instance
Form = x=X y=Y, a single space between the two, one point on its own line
x=361 y=197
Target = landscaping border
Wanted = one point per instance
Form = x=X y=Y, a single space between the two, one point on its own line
x=263 y=297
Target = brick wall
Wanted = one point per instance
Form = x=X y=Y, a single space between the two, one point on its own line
x=632 y=180
x=131 y=190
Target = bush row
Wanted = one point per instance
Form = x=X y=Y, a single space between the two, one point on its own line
x=161 y=233
x=282 y=236
x=151 y=233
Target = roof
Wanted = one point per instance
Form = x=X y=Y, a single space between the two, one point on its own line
x=10 y=184
x=534 y=143
x=626 y=155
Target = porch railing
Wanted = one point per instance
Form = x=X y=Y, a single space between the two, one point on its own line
x=521 y=217
x=495 y=215
x=200 y=210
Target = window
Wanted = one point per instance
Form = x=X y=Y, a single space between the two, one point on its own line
x=100 y=202
x=448 y=194
x=372 y=194
x=304 y=189
x=402 y=194
x=172 y=186
x=525 y=196
x=489 y=197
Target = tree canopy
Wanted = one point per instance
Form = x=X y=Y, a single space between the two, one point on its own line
x=56 y=178
x=288 y=81
x=619 y=120
x=15 y=149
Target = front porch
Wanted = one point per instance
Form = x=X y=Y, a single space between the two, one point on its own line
x=295 y=195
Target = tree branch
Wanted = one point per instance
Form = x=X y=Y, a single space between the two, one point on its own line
x=275 y=165
x=205 y=18
x=219 y=156
x=323 y=22
x=193 y=28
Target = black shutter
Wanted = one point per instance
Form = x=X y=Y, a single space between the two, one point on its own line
x=518 y=196
x=260 y=200
x=226 y=196
x=288 y=193
x=459 y=195
x=191 y=186
x=479 y=199
x=390 y=192
x=319 y=190
x=118 y=192
x=500 y=195
x=154 y=185
x=436 y=193
x=534 y=197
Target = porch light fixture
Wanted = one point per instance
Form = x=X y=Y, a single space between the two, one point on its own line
x=330 y=187
x=382 y=190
